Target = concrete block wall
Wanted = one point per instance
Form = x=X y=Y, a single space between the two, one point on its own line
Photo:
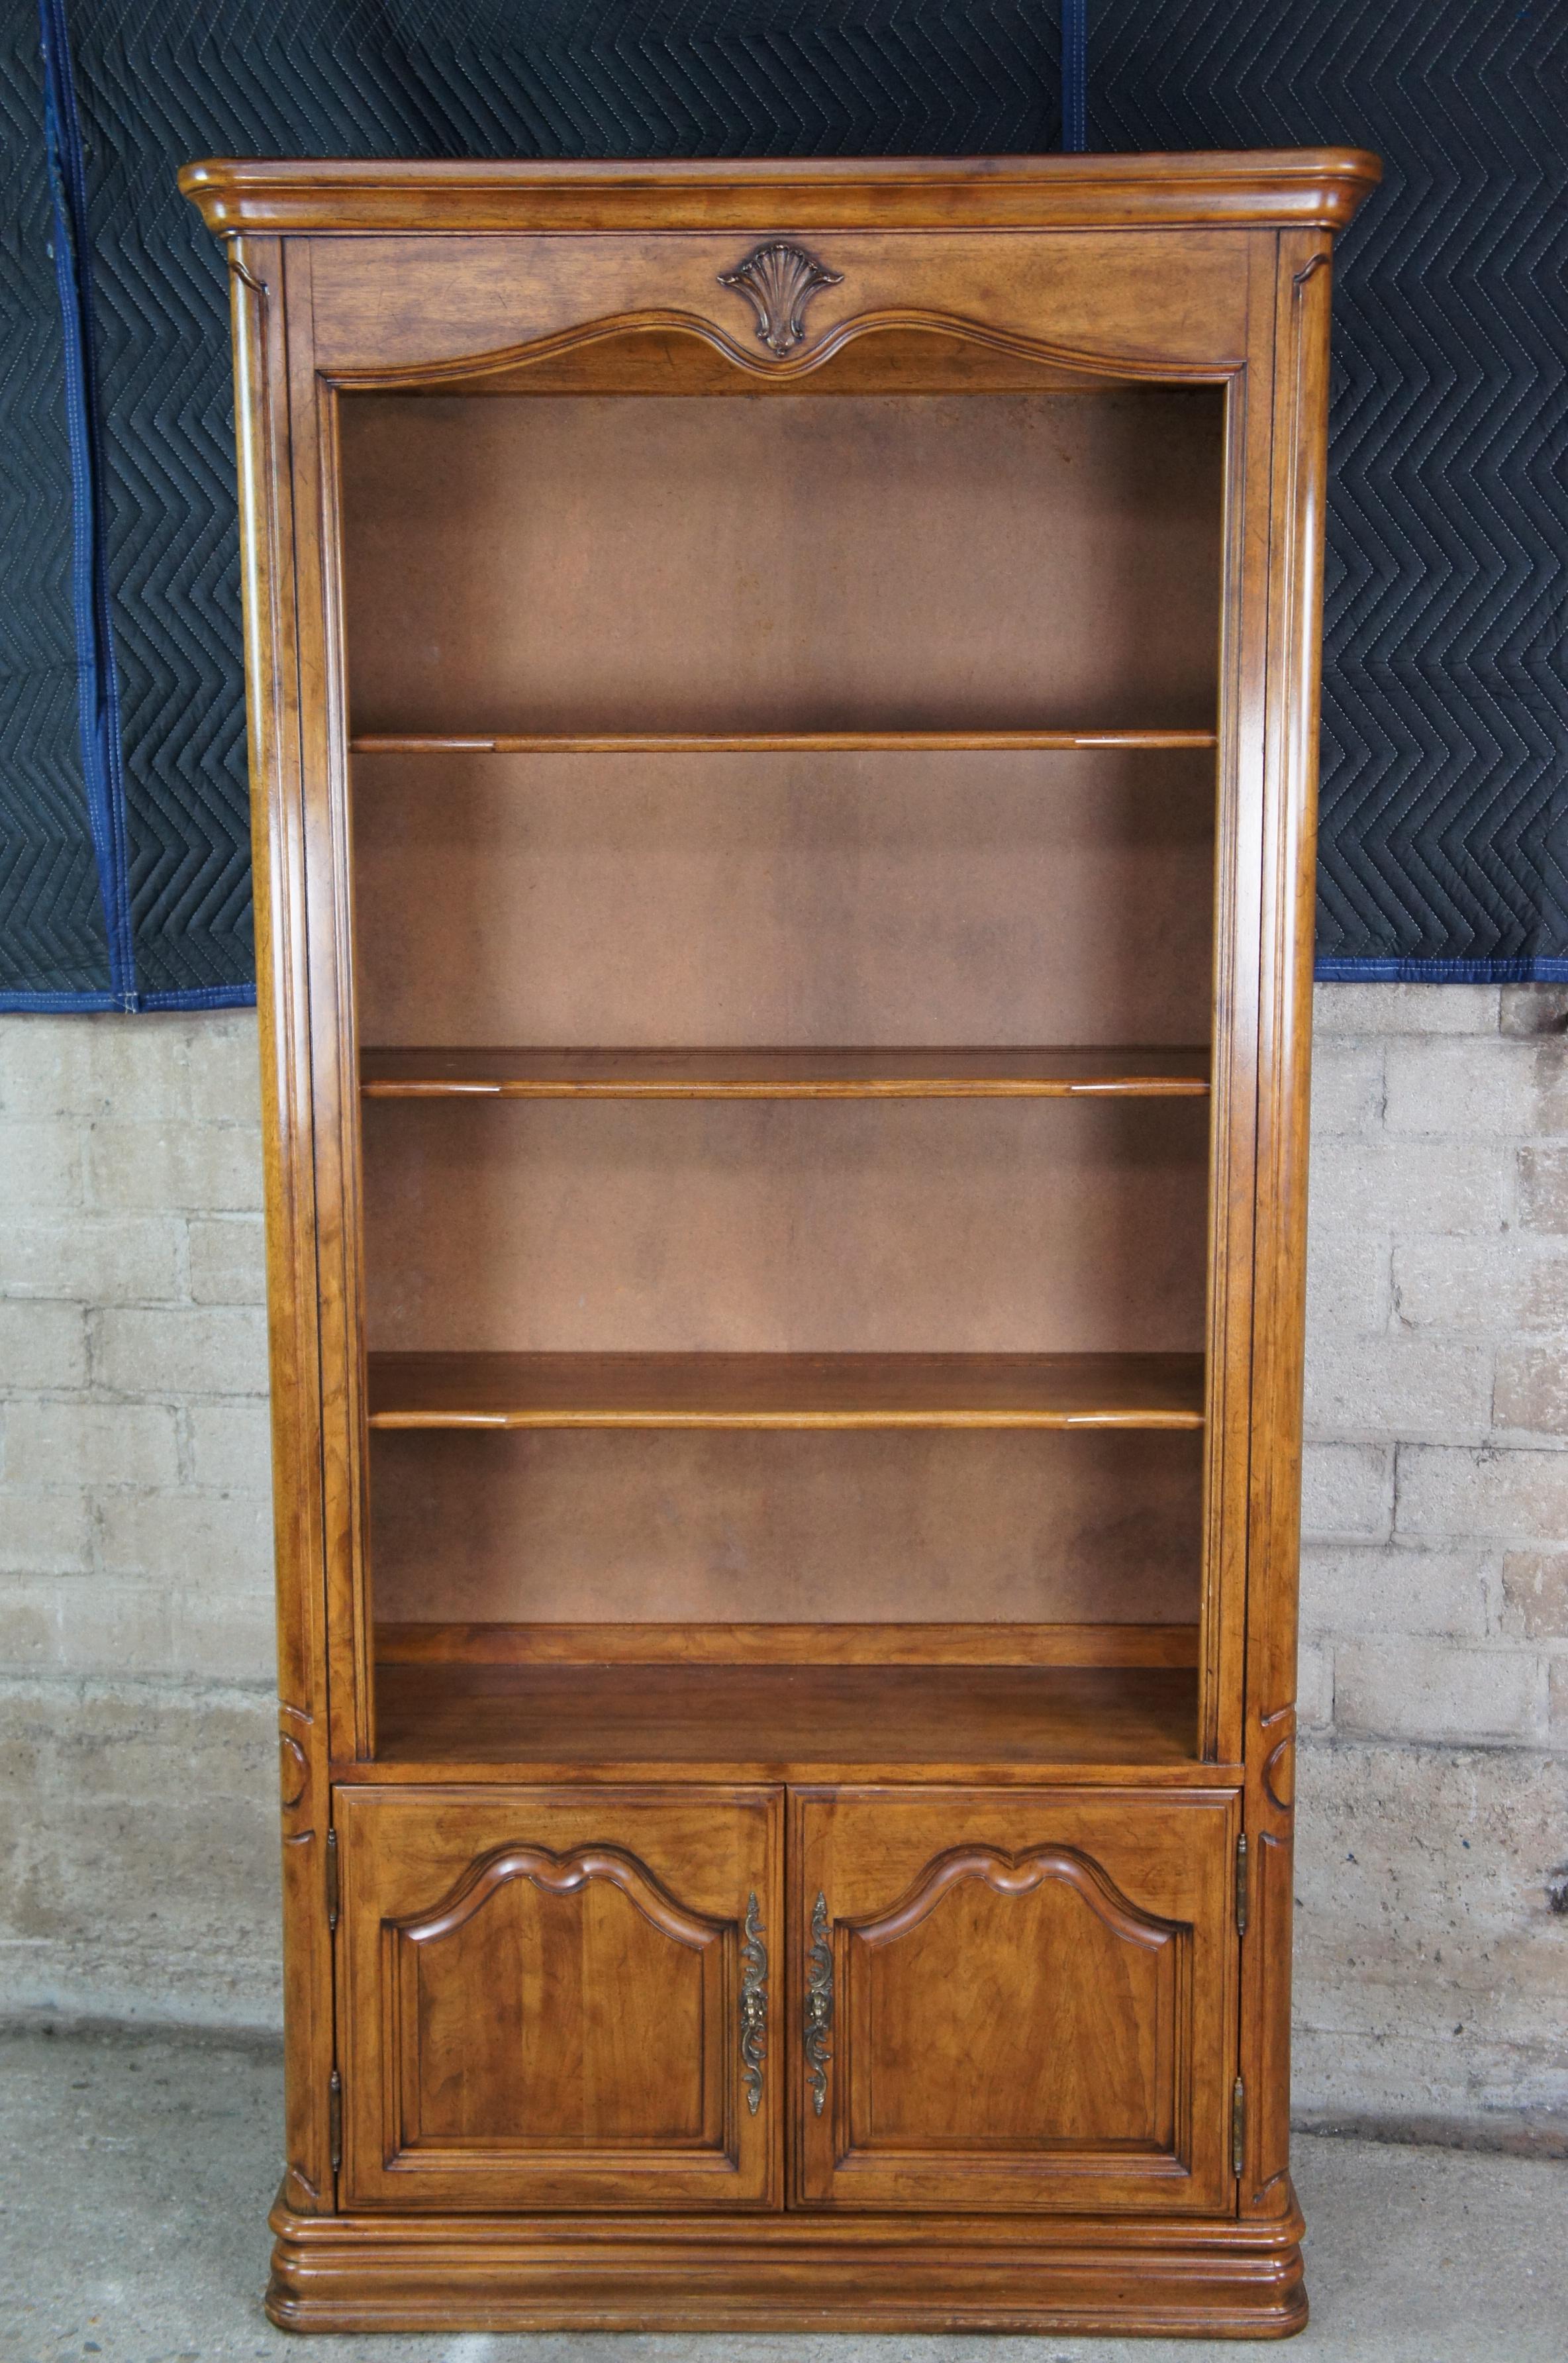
x=1432 y=1967
x=137 y=1858
x=138 y=1876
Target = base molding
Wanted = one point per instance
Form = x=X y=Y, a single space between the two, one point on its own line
x=1217 y=2278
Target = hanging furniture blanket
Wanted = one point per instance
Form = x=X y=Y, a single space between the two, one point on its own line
x=124 y=847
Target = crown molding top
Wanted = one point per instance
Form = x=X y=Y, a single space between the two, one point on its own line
x=1288 y=188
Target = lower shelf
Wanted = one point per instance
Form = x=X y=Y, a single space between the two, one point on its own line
x=785 y=1721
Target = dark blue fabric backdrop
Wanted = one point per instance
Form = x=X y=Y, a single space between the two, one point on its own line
x=124 y=868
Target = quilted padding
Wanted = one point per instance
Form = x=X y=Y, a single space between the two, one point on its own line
x=1444 y=830
x=54 y=943
x=1445 y=704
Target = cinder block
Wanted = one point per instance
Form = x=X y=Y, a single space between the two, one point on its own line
x=1529 y=1009
x=228 y=1262
x=87 y=1444
x=1393 y=1591
x=1340 y=1009
x=40 y=1164
x=1460 y=1090
x=112 y=1629
x=1399 y=1387
x=222 y=1070
x=1314 y=1686
x=231 y=1448
x=1515 y=1495
x=1535 y=1595
x=1481 y=1287
x=1434 y=1690
x=44 y=1533
x=199 y=1350
x=1381 y=1187
x=1347 y=1491
x=42 y=1347
x=224 y=1639
x=30 y=1624
x=1542 y=1183
x=1557 y=1701
x=221 y=1543
x=49 y=1064
x=1532 y=1389
x=141 y=1866
x=1347 y=1085
x=209 y=1168
x=114 y=1260
x=1347 y=1285
x=190 y=1067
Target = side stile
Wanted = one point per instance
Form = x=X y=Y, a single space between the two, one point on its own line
x=260 y=358
x=333 y=1078
x=1300 y=462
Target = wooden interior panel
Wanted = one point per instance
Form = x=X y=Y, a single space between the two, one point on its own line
x=517 y=1072
x=786 y=1391
x=991 y=1227
x=719 y=1527
x=828 y=898
x=630 y=562
x=779 y=1722
x=787 y=1644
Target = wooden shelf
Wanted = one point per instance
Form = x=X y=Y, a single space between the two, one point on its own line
x=786 y=1391
x=782 y=1074
x=781 y=1720
x=768 y=742
x=886 y=1644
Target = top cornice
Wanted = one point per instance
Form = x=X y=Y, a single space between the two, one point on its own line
x=1287 y=188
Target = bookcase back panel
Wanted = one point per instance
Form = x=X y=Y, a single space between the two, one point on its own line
x=522 y=564
x=967 y=1227
x=842 y=899
x=1092 y=1527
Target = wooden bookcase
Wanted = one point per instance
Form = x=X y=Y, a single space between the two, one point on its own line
x=783 y=706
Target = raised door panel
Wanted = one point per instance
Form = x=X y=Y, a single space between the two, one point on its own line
x=1014 y=2000
x=557 y=1999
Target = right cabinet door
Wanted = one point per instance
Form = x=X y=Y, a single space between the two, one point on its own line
x=1008 y=1999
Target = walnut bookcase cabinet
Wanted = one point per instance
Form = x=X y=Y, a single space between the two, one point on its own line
x=782 y=709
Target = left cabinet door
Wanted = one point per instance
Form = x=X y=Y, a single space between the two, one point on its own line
x=559 y=1998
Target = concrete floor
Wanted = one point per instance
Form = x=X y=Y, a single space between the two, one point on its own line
x=138 y=2168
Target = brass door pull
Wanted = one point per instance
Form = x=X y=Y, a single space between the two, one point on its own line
x=818 y=2005
x=753 y=2005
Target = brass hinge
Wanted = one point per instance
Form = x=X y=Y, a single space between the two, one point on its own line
x=332 y=1879
x=1242 y=1884
x=335 y=2119
x=1238 y=2127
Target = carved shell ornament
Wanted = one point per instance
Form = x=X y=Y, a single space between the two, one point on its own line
x=780 y=281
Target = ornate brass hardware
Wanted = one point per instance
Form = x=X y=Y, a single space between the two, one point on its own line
x=1238 y=2126
x=1242 y=1885
x=818 y=2005
x=753 y=2005
x=778 y=281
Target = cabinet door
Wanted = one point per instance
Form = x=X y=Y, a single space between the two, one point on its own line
x=1015 y=2000
x=558 y=1998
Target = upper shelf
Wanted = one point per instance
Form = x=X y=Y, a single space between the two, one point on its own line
x=773 y=742
x=786 y=1391
x=783 y=1074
